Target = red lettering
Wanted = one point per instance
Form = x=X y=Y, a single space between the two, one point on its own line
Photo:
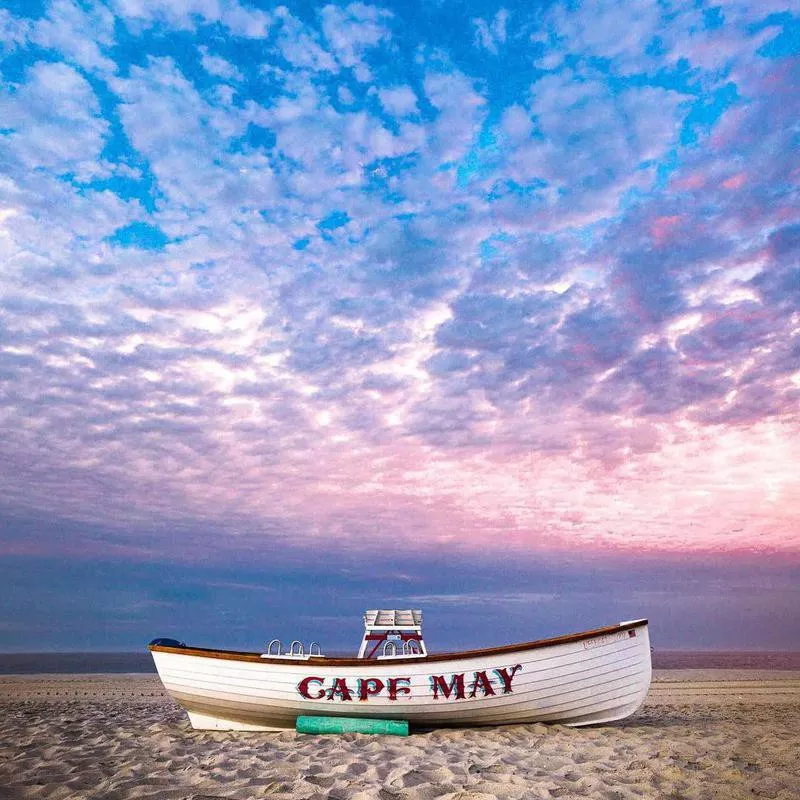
x=302 y=687
x=368 y=687
x=456 y=685
x=482 y=682
x=504 y=676
x=395 y=688
x=339 y=687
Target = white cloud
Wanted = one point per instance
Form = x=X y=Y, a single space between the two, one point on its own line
x=184 y=14
x=56 y=121
x=593 y=145
x=182 y=134
x=250 y=23
x=461 y=109
x=77 y=34
x=14 y=31
x=516 y=122
x=594 y=29
x=220 y=67
x=489 y=35
x=352 y=31
x=399 y=100
x=301 y=47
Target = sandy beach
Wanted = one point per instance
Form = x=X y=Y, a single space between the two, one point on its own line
x=701 y=734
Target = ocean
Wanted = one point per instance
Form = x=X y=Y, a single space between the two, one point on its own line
x=98 y=663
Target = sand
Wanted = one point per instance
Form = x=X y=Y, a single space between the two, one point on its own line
x=702 y=734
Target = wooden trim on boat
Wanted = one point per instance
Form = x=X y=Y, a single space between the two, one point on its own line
x=237 y=655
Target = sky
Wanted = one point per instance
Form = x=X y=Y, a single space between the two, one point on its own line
x=491 y=310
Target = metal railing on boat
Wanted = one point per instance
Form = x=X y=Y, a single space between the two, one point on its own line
x=409 y=649
x=296 y=650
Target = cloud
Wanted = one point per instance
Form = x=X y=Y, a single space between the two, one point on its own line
x=490 y=35
x=399 y=101
x=460 y=111
x=219 y=67
x=379 y=293
x=64 y=29
x=353 y=30
x=301 y=48
x=595 y=143
x=178 y=131
x=239 y=19
x=516 y=122
x=657 y=35
x=595 y=30
x=14 y=31
x=53 y=122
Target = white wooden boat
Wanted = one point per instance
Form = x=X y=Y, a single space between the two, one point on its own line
x=584 y=678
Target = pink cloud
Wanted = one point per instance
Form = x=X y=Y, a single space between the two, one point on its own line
x=735 y=181
x=661 y=228
x=390 y=386
x=690 y=182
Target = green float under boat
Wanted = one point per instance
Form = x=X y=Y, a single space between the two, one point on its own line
x=385 y=727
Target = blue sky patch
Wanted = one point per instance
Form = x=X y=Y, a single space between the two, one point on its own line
x=334 y=220
x=141 y=235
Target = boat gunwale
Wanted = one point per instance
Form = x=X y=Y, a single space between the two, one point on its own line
x=322 y=661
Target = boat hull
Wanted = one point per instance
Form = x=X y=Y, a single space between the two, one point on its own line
x=583 y=679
